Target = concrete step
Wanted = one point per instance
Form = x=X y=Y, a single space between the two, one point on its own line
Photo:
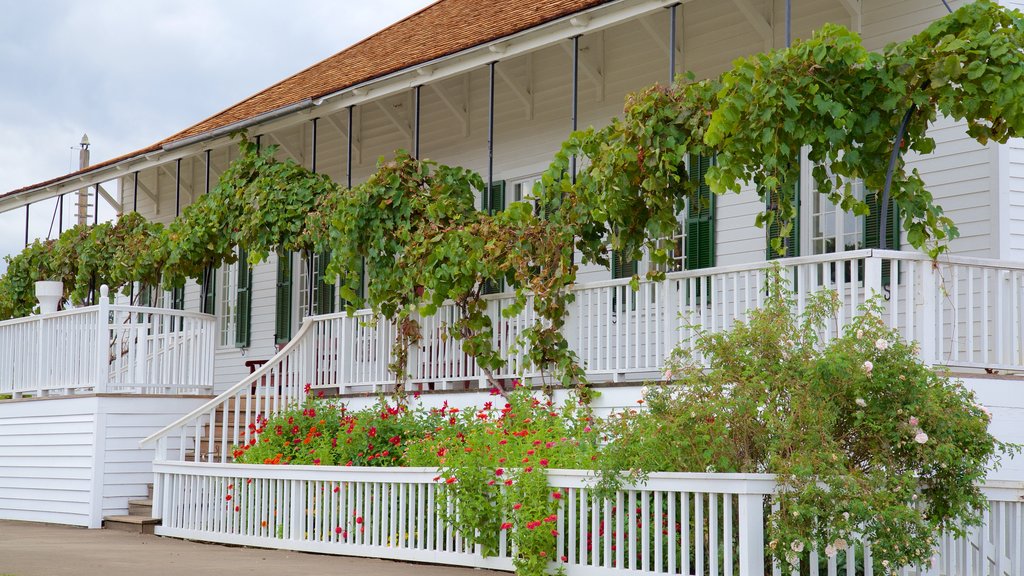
x=141 y=507
x=135 y=524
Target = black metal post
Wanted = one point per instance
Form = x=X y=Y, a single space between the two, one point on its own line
x=575 y=98
x=135 y=193
x=96 y=208
x=673 y=23
x=177 y=188
x=208 y=170
x=416 y=122
x=789 y=22
x=26 y=223
x=490 y=131
x=60 y=215
x=313 y=146
x=348 y=161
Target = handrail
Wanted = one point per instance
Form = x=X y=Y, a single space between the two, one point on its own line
x=166 y=311
x=263 y=371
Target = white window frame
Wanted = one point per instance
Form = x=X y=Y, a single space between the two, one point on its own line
x=226 y=304
x=839 y=225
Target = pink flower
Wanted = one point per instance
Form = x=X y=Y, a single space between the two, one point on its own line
x=912 y=421
x=921 y=437
x=868 y=366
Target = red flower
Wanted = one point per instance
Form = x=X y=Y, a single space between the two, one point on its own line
x=506 y=525
x=543 y=461
x=228 y=497
x=533 y=525
x=359 y=519
x=396 y=440
x=508 y=482
x=556 y=495
x=565 y=558
x=337 y=530
x=450 y=480
x=517 y=506
x=372 y=431
x=499 y=471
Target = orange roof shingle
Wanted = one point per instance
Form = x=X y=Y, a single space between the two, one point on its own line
x=441 y=29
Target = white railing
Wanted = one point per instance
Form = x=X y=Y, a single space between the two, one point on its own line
x=107 y=349
x=675 y=524
x=963 y=312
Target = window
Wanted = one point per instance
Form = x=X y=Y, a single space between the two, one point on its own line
x=833 y=229
x=226 y=305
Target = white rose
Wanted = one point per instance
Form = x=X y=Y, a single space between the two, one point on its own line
x=797 y=546
x=921 y=437
x=860 y=402
x=830 y=551
x=868 y=366
x=882 y=344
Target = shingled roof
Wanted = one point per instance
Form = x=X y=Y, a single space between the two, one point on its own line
x=441 y=29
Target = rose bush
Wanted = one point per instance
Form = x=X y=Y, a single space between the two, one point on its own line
x=865 y=440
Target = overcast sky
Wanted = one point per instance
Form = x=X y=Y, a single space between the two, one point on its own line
x=130 y=73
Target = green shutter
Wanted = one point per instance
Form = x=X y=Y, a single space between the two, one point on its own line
x=243 y=302
x=178 y=298
x=492 y=203
x=700 y=216
x=324 y=291
x=209 y=293
x=283 y=305
x=620 y=267
x=793 y=242
x=872 y=228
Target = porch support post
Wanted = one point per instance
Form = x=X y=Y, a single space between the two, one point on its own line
x=789 y=23
x=26 y=223
x=135 y=192
x=416 y=122
x=60 y=215
x=348 y=159
x=751 y=544
x=312 y=146
x=177 y=188
x=575 y=98
x=872 y=276
x=673 y=25
x=208 y=159
x=96 y=207
x=490 y=128
x=102 y=339
x=929 y=311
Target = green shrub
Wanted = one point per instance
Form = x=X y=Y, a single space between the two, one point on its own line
x=864 y=438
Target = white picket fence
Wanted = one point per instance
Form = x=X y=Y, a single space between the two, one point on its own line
x=696 y=524
x=107 y=349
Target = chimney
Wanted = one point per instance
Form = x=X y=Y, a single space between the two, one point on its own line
x=83 y=194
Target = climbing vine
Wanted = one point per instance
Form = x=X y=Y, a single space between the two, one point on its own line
x=415 y=224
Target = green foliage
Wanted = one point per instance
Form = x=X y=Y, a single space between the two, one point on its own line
x=84 y=257
x=493 y=462
x=828 y=96
x=323 y=432
x=864 y=439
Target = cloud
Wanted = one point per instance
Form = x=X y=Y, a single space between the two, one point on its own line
x=131 y=73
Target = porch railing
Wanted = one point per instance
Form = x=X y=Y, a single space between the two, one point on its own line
x=963 y=312
x=107 y=349
x=675 y=524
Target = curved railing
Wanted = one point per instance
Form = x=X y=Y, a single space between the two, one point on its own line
x=107 y=349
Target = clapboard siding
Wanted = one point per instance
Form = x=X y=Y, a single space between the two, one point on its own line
x=127 y=467
x=72 y=460
x=961 y=174
x=1014 y=201
x=46 y=460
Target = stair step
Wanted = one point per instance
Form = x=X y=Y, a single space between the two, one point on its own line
x=141 y=507
x=129 y=523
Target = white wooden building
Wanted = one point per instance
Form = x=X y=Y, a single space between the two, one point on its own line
x=426 y=84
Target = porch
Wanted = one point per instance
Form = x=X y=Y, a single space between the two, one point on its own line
x=107 y=348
